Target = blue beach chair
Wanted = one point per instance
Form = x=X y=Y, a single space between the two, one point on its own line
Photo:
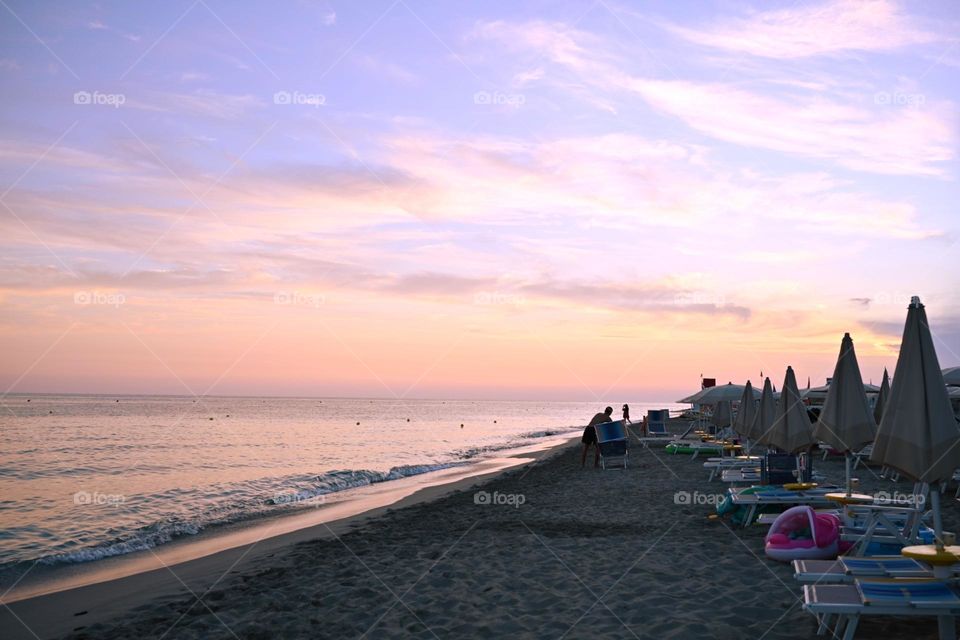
x=612 y=442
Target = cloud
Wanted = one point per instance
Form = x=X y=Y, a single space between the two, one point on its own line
x=828 y=28
x=864 y=130
x=891 y=141
x=329 y=19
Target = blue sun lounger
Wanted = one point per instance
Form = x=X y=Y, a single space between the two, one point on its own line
x=898 y=597
x=612 y=442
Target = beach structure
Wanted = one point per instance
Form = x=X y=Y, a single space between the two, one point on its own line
x=710 y=396
x=816 y=396
x=846 y=422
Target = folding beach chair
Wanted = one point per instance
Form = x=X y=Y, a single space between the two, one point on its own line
x=657 y=428
x=898 y=597
x=612 y=442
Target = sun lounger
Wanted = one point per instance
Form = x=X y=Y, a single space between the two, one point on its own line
x=845 y=570
x=719 y=465
x=900 y=597
x=612 y=442
x=753 y=502
x=749 y=475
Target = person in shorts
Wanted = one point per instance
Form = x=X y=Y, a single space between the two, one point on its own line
x=590 y=437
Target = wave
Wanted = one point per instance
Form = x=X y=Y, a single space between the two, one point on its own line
x=184 y=512
x=284 y=494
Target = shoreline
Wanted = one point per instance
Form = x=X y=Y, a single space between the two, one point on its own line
x=105 y=592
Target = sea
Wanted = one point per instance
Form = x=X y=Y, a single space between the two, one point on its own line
x=84 y=478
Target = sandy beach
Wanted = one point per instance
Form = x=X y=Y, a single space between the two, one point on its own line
x=544 y=550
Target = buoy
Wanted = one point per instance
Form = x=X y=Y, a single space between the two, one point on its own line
x=28 y=399
x=408 y=419
x=461 y=425
x=358 y=424
x=494 y=422
x=211 y=418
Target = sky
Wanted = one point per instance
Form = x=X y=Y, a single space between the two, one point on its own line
x=592 y=200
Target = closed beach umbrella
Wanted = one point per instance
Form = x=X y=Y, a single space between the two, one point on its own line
x=746 y=411
x=918 y=434
x=791 y=430
x=882 y=397
x=721 y=414
x=766 y=414
x=846 y=422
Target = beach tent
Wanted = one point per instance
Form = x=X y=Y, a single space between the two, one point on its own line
x=918 y=434
x=846 y=422
x=791 y=430
x=766 y=414
x=712 y=395
x=746 y=411
x=882 y=397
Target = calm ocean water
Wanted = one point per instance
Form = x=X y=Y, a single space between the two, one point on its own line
x=89 y=477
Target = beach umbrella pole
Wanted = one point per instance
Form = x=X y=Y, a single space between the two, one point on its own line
x=937 y=520
x=846 y=460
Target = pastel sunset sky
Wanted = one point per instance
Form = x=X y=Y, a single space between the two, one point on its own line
x=591 y=200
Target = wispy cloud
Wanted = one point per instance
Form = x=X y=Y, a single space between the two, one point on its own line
x=827 y=28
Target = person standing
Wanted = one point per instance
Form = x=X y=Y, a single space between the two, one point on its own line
x=626 y=414
x=590 y=436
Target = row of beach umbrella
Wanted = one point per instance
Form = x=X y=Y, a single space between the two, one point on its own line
x=917 y=433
